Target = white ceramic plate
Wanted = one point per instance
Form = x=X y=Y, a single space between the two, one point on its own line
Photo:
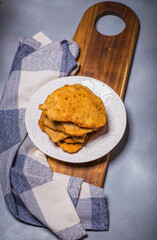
x=98 y=145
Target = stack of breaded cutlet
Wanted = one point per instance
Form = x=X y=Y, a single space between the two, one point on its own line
x=71 y=115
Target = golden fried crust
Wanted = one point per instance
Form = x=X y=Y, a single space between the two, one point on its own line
x=73 y=129
x=66 y=127
x=77 y=104
x=55 y=136
x=75 y=139
x=74 y=147
x=51 y=124
x=70 y=147
x=80 y=139
x=69 y=140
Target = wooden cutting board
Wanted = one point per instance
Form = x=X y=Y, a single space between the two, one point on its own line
x=108 y=59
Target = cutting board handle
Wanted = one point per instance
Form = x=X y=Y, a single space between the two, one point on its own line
x=112 y=8
x=107 y=58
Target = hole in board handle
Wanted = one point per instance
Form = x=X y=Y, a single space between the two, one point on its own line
x=109 y=24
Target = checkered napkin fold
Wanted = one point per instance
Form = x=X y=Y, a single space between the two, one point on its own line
x=33 y=193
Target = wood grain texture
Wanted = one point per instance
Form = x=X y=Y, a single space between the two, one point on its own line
x=108 y=59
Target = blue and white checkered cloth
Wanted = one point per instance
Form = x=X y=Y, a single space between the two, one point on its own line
x=33 y=193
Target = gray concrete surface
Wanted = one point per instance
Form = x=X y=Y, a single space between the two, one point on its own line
x=131 y=180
